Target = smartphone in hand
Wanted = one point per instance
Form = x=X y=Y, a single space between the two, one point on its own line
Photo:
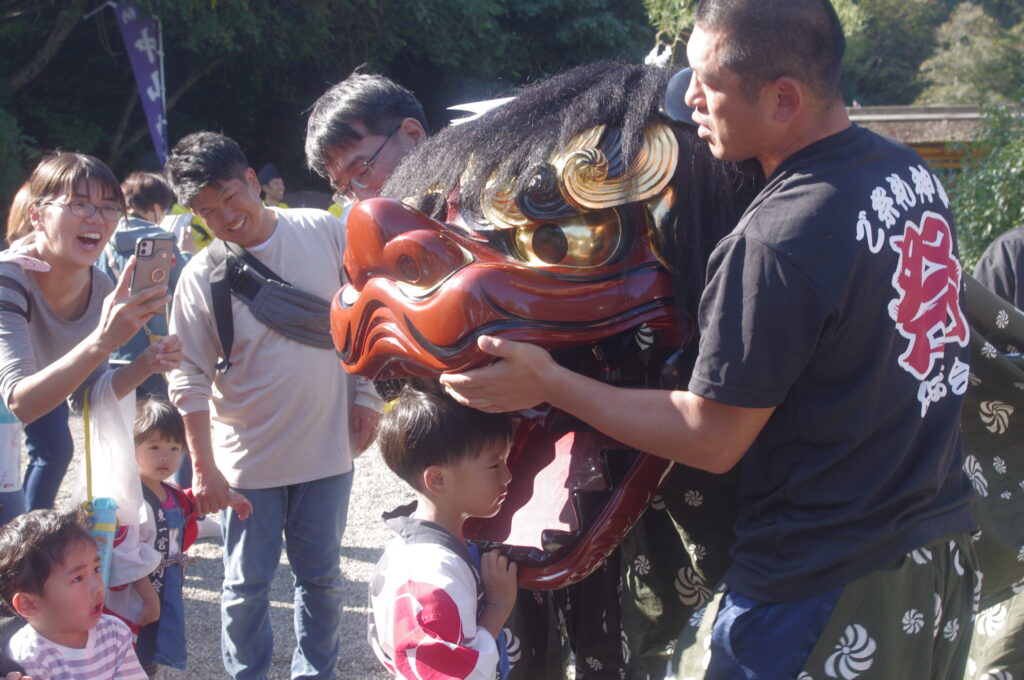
x=154 y=258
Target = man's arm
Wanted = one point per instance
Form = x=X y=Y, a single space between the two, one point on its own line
x=676 y=425
x=209 y=487
x=190 y=386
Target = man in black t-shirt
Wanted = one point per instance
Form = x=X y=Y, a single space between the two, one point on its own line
x=832 y=367
x=999 y=267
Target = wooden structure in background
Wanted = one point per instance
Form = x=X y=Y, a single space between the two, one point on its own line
x=933 y=131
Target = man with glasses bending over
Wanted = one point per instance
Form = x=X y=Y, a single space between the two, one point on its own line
x=358 y=133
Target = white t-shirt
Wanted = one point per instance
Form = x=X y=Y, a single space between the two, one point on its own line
x=280 y=414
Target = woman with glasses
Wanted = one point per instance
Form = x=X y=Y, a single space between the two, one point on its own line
x=60 y=316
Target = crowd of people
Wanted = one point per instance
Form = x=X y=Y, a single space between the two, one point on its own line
x=70 y=314
x=798 y=342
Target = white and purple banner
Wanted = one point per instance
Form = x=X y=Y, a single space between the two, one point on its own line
x=144 y=43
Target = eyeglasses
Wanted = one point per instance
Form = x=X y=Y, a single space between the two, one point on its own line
x=360 y=180
x=85 y=210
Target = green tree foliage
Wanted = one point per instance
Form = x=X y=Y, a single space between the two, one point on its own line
x=673 y=20
x=987 y=194
x=886 y=42
x=14 y=147
x=978 y=60
x=251 y=68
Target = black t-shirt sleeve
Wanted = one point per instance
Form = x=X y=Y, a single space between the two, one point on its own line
x=997 y=270
x=760 y=320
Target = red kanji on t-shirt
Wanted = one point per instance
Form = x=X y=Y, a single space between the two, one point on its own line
x=927 y=310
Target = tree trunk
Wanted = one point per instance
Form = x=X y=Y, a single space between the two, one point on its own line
x=116 y=151
x=66 y=21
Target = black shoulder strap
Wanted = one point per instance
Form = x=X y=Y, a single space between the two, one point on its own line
x=228 y=275
x=247 y=257
x=220 y=294
x=15 y=285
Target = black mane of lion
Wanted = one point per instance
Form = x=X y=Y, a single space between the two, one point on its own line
x=513 y=138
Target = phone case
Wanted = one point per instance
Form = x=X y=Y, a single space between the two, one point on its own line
x=154 y=258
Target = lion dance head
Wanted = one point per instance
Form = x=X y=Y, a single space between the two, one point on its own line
x=578 y=217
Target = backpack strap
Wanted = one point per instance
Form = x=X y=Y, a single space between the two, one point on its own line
x=220 y=294
x=17 y=287
x=229 y=276
x=250 y=260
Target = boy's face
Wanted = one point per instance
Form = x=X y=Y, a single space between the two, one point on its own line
x=482 y=482
x=71 y=603
x=157 y=457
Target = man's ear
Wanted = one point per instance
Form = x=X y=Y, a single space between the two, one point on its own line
x=413 y=129
x=434 y=479
x=253 y=181
x=25 y=604
x=790 y=95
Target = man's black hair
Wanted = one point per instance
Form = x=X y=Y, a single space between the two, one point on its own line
x=420 y=429
x=380 y=103
x=769 y=39
x=202 y=159
x=268 y=172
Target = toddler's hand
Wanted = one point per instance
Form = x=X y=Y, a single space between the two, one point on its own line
x=15 y=675
x=240 y=503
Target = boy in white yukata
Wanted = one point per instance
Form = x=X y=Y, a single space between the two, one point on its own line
x=437 y=606
x=50 y=576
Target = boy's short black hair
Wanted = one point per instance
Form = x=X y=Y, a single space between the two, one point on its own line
x=158 y=416
x=419 y=429
x=32 y=544
x=379 y=102
x=202 y=159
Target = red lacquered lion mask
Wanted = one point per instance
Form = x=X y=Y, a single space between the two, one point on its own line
x=579 y=252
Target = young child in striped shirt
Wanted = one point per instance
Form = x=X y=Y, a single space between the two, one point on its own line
x=50 y=576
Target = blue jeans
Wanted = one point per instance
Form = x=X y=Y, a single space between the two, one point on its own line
x=754 y=640
x=50 y=447
x=311 y=516
x=12 y=504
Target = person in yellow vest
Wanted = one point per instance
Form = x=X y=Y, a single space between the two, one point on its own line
x=176 y=222
x=273 y=186
x=336 y=209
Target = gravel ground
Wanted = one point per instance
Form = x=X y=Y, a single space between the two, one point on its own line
x=374 y=490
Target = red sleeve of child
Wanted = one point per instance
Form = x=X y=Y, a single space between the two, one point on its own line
x=428 y=634
x=188 y=503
